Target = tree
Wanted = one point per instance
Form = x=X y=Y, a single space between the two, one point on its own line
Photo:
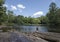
x=2 y=2
x=51 y=14
x=43 y=20
x=3 y=16
x=19 y=20
x=10 y=16
x=26 y=19
x=57 y=17
x=36 y=21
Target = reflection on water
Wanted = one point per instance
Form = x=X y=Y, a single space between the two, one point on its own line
x=40 y=28
x=54 y=29
x=33 y=28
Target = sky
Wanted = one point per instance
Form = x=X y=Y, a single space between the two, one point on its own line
x=33 y=8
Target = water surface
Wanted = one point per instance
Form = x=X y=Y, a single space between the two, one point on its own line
x=33 y=28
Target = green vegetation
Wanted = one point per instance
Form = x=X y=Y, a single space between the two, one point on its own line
x=51 y=18
x=3 y=16
x=53 y=15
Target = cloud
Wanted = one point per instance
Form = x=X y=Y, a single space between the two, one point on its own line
x=38 y=14
x=13 y=7
x=21 y=6
x=5 y=5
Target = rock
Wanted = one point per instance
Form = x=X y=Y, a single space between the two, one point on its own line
x=18 y=37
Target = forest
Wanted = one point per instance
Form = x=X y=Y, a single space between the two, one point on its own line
x=7 y=17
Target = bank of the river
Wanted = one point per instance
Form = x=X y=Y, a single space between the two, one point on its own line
x=29 y=36
x=15 y=36
x=49 y=36
x=18 y=37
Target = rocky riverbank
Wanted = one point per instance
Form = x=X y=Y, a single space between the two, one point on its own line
x=49 y=36
x=18 y=37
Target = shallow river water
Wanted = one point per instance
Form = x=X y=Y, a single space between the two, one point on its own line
x=34 y=28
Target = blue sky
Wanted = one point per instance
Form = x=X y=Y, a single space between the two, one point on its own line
x=33 y=8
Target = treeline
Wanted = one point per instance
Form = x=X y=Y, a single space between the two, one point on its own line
x=53 y=15
x=7 y=17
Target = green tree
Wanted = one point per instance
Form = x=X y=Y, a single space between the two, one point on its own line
x=3 y=16
x=19 y=20
x=51 y=14
x=10 y=16
x=57 y=17
x=26 y=19
x=43 y=20
x=2 y=2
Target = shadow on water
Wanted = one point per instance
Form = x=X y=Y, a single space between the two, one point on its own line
x=54 y=29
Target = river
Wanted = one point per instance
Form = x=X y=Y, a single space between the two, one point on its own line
x=33 y=28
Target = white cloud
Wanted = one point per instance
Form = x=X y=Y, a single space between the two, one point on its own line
x=21 y=6
x=38 y=14
x=13 y=7
x=5 y=5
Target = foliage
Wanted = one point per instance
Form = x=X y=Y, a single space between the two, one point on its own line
x=43 y=20
x=52 y=17
x=57 y=17
x=2 y=2
x=53 y=14
x=3 y=16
